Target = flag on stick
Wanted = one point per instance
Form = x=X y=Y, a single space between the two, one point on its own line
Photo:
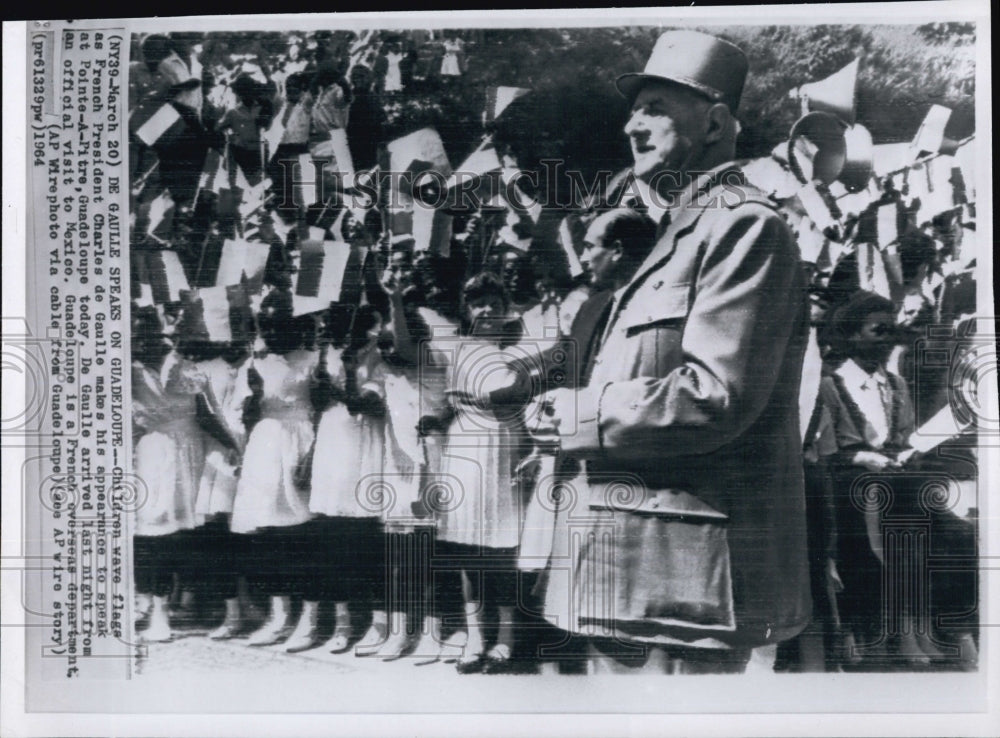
x=161 y=217
x=816 y=207
x=163 y=273
x=325 y=269
x=243 y=259
x=154 y=123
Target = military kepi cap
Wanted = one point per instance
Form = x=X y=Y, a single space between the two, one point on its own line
x=715 y=68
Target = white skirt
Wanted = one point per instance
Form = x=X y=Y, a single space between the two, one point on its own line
x=168 y=471
x=266 y=494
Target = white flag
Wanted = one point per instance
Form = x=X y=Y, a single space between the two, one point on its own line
x=241 y=258
x=156 y=125
x=322 y=268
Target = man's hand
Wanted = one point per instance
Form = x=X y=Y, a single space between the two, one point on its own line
x=908 y=456
x=560 y=407
x=389 y=282
x=874 y=461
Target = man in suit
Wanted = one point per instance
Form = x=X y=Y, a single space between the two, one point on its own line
x=687 y=538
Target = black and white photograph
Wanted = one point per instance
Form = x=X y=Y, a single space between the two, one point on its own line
x=494 y=363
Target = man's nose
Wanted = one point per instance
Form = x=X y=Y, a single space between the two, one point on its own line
x=635 y=126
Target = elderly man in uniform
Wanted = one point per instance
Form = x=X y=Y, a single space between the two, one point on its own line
x=688 y=544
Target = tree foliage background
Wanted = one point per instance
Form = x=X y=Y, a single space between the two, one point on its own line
x=577 y=114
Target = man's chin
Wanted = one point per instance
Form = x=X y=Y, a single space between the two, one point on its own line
x=645 y=168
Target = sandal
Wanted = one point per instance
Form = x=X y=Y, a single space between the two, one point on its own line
x=498 y=660
x=452 y=649
x=472 y=665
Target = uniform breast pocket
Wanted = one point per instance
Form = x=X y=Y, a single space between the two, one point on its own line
x=654 y=324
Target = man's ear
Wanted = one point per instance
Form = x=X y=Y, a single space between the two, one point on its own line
x=719 y=120
x=617 y=250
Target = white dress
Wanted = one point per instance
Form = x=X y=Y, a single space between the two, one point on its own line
x=217 y=488
x=171 y=454
x=449 y=65
x=404 y=452
x=478 y=504
x=393 y=75
x=266 y=494
x=348 y=460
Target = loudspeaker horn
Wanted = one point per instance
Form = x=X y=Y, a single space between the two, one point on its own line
x=816 y=148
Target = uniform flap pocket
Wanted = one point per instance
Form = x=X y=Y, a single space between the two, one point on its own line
x=657 y=303
x=626 y=492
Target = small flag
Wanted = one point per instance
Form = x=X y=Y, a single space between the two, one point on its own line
x=471 y=183
x=214 y=311
x=253 y=198
x=243 y=259
x=216 y=307
x=965 y=161
x=507 y=195
x=887 y=224
x=940 y=188
x=341 y=152
x=930 y=136
x=516 y=197
x=414 y=155
x=161 y=217
x=400 y=222
x=153 y=123
x=214 y=177
x=893 y=269
x=816 y=207
x=162 y=271
x=811 y=241
x=872 y=275
x=498 y=99
x=890 y=157
x=323 y=273
x=432 y=230
x=145 y=298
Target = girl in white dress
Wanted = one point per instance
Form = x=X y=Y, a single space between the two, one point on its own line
x=346 y=483
x=169 y=460
x=393 y=73
x=226 y=373
x=480 y=522
x=404 y=462
x=451 y=64
x=270 y=502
